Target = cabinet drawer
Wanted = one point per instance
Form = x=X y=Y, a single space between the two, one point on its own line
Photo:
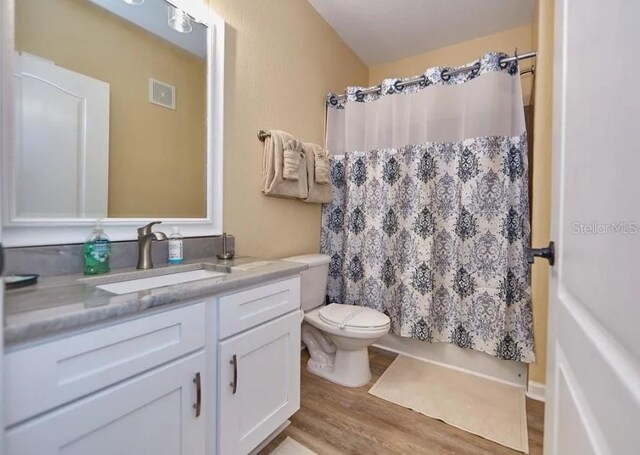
x=51 y=374
x=245 y=309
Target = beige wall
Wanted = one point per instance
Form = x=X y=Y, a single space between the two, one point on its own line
x=461 y=53
x=281 y=60
x=156 y=155
x=541 y=212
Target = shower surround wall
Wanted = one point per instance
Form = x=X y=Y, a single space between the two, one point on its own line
x=430 y=216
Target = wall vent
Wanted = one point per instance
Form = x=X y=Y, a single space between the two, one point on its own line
x=162 y=94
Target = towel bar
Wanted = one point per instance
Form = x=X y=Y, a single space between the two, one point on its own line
x=263 y=135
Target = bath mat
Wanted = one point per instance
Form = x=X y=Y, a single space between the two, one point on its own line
x=291 y=447
x=487 y=408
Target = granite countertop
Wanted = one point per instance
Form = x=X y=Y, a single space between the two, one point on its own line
x=66 y=303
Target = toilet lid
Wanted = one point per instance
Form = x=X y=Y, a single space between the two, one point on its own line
x=356 y=317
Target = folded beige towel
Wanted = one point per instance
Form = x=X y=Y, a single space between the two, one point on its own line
x=322 y=166
x=319 y=193
x=273 y=181
x=292 y=158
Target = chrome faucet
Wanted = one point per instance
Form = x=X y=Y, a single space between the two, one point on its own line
x=145 y=237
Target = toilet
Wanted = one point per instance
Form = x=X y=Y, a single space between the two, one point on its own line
x=337 y=335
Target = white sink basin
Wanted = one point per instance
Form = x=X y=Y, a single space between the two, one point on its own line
x=142 y=284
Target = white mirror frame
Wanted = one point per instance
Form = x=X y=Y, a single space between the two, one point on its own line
x=55 y=231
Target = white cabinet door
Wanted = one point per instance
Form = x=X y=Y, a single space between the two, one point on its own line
x=259 y=383
x=150 y=414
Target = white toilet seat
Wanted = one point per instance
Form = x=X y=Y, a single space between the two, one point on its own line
x=376 y=329
x=353 y=317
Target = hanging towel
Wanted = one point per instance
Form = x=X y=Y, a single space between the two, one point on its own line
x=273 y=163
x=319 y=193
x=292 y=158
x=322 y=166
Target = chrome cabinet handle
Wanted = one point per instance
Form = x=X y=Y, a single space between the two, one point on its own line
x=234 y=383
x=198 y=405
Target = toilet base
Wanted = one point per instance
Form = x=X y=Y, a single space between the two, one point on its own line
x=350 y=368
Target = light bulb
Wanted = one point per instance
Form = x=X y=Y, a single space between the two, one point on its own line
x=179 y=20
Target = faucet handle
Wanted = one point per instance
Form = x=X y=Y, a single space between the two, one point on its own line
x=147 y=228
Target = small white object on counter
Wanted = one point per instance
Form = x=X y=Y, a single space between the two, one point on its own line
x=176 y=252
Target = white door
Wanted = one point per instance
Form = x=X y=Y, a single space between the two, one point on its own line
x=151 y=414
x=61 y=162
x=259 y=382
x=593 y=376
x=5 y=140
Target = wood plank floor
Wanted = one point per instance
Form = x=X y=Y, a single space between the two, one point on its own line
x=341 y=420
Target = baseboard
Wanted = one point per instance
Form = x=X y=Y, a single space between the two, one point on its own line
x=536 y=391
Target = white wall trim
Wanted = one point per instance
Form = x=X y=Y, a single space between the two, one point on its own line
x=536 y=391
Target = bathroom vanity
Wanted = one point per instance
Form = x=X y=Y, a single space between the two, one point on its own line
x=203 y=367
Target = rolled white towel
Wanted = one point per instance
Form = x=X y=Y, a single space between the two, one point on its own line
x=318 y=193
x=292 y=159
x=322 y=166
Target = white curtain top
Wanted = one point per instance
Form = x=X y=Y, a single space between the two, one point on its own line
x=486 y=101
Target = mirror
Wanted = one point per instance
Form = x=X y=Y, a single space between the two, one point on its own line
x=111 y=111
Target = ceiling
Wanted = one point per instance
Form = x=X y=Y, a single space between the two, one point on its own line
x=380 y=31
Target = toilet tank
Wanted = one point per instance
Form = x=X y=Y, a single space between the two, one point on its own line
x=313 y=281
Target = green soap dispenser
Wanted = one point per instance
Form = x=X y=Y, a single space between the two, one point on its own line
x=97 y=251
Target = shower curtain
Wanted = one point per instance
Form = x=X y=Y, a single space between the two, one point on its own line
x=430 y=216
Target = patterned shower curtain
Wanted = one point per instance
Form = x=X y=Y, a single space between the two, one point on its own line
x=430 y=216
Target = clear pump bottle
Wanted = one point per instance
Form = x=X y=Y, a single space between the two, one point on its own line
x=175 y=247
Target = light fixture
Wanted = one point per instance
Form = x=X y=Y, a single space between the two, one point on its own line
x=134 y=2
x=179 y=20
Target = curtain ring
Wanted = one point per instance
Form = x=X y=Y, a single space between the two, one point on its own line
x=398 y=85
x=513 y=68
x=476 y=69
x=333 y=99
x=423 y=81
x=444 y=74
x=359 y=95
x=501 y=63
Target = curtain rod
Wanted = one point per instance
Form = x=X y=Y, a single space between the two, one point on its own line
x=420 y=78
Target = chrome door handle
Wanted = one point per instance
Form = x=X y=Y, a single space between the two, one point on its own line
x=198 y=405
x=234 y=383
